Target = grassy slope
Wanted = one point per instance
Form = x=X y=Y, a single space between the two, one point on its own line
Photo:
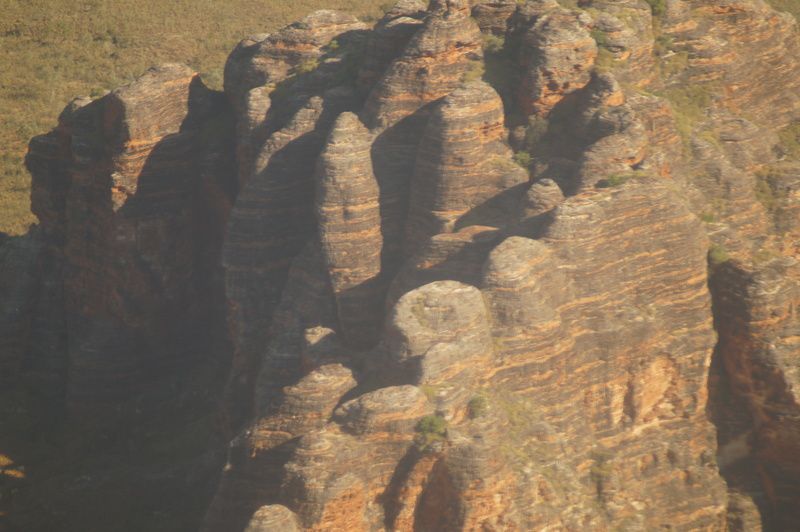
x=792 y=6
x=53 y=50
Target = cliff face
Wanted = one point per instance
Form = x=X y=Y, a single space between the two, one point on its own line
x=561 y=297
x=124 y=188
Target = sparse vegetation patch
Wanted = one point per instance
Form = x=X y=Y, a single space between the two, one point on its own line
x=718 y=254
x=430 y=430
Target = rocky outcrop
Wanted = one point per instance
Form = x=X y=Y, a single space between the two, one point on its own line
x=720 y=39
x=272 y=518
x=18 y=289
x=758 y=326
x=265 y=60
x=438 y=335
x=524 y=274
x=264 y=448
x=269 y=225
x=388 y=39
x=493 y=17
x=464 y=169
x=326 y=482
x=348 y=213
x=455 y=256
x=429 y=331
x=144 y=176
x=556 y=56
x=431 y=66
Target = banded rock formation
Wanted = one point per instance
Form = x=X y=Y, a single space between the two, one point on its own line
x=563 y=297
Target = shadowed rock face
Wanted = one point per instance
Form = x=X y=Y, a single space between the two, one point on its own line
x=462 y=164
x=348 y=213
x=758 y=329
x=134 y=218
x=427 y=330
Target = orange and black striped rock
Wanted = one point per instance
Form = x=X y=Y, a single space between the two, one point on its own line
x=420 y=335
x=431 y=66
x=556 y=56
x=349 y=225
x=252 y=477
x=337 y=477
x=388 y=39
x=464 y=173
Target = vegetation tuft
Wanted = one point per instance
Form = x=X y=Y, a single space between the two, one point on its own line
x=430 y=430
x=658 y=7
x=477 y=406
x=616 y=180
x=523 y=159
x=789 y=140
x=718 y=254
x=790 y=6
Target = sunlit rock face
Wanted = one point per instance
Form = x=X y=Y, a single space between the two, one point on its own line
x=482 y=266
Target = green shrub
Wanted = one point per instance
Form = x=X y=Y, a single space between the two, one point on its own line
x=717 y=254
x=674 y=64
x=476 y=70
x=658 y=7
x=599 y=37
x=332 y=46
x=307 y=65
x=789 y=140
x=523 y=159
x=616 y=180
x=663 y=44
x=605 y=59
x=430 y=430
x=689 y=104
x=477 y=406
x=493 y=44
x=535 y=132
x=764 y=193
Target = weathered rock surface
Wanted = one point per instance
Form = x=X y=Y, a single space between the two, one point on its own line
x=431 y=66
x=142 y=176
x=722 y=38
x=337 y=476
x=556 y=55
x=464 y=171
x=348 y=213
x=388 y=39
x=269 y=226
x=427 y=330
x=759 y=333
x=439 y=335
x=273 y=518
x=493 y=17
x=264 y=448
x=269 y=59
